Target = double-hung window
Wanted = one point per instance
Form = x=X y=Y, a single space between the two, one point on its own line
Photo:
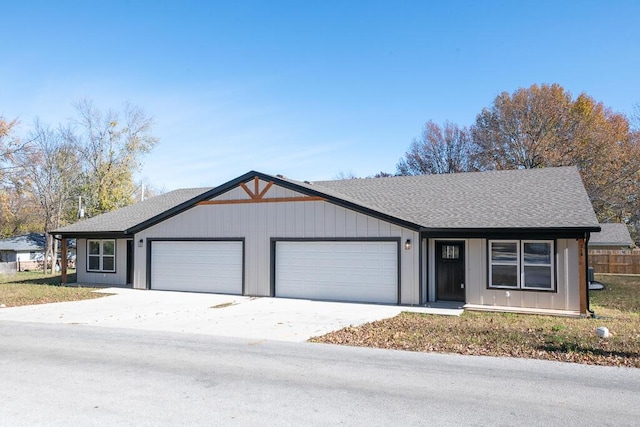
x=101 y=255
x=522 y=264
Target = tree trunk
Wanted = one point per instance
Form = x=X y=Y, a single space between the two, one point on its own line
x=54 y=256
x=47 y=252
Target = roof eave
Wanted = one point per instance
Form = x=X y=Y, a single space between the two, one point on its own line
x=90 y=234
x=506 y=232
x=621 y=244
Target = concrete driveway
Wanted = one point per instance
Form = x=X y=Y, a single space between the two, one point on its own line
x=211 y=314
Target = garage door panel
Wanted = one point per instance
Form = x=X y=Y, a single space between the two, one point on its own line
x=197 y=266
x=341 y=271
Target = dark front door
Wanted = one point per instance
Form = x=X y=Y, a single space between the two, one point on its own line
x=450 y=271
x=129 y=262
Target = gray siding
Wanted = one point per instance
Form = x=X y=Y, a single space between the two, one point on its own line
x=257 y=223
x=567 y=295
x=119 y=278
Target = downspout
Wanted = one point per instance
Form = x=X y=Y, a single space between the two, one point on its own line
x=586 y=256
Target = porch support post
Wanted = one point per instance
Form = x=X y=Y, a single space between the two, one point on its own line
x=63 y=261
x=582 y=275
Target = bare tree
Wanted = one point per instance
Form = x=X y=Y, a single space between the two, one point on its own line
x=445 y=149
x=144 y=190
x=383 y=174
x=345 y=175
x=50 y=171
x=111 y=145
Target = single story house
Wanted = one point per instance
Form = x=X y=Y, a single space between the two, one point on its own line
x=611 y=237
x=27 y=251
x=500 y=240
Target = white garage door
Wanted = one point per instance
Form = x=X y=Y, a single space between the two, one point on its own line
x=339 y=271
x=197 y=266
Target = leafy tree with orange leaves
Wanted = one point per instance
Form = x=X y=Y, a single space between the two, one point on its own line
x=543 y=126
x=14 y=211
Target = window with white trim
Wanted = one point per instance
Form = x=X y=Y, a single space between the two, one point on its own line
x=521 y=264
x=101 y=255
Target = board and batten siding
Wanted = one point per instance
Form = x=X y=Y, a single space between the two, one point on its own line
x=567 y=295
x=258 y=223
x=119 y=278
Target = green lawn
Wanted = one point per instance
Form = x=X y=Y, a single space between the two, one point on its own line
x=620 y=293
x=514 y=335
x=29 y=287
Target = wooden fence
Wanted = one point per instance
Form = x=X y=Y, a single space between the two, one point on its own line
x=615 y=261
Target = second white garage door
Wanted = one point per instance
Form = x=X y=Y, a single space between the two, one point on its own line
x=364 y=271
x=197 y=266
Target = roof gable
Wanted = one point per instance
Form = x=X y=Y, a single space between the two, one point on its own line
x=256 y=190
x=257 y=185
x=552 y=198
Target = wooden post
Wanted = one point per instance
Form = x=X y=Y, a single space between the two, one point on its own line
x=63 y=261
x=582 y=276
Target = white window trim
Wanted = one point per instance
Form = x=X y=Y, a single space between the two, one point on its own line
x=551 y=266
x=101 y=256
x=521 y=264
x=511 y=263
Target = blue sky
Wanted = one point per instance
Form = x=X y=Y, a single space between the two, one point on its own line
x=304 y=89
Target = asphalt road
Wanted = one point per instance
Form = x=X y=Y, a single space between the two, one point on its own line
x=80 y=375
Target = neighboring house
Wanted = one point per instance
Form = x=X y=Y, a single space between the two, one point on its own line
x=500 y=240
x=27 y=251
x=612 y=251
x=612 y=237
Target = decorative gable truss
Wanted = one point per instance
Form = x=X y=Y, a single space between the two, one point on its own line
x=259 y=191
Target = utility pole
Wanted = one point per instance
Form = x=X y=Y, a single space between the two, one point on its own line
x=80 y=208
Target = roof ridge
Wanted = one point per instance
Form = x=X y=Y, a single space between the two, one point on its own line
x=443 y=175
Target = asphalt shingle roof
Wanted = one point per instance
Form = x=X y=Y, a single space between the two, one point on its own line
x=533 y=198
x=27 y=242
x=611 y=235
x=125 y=218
